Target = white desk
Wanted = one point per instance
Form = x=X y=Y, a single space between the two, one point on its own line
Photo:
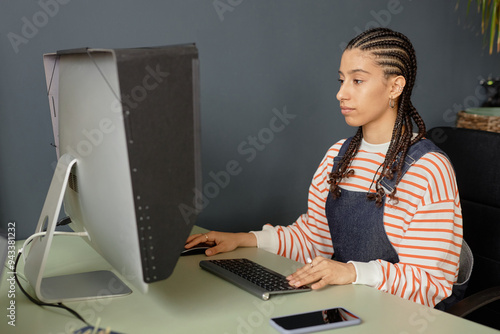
x=195 y=301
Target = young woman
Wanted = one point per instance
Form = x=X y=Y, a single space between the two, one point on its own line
x=383 y=207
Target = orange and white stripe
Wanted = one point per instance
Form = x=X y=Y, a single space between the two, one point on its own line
x=424 y=226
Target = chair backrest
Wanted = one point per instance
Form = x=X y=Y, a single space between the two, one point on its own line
x=466 y=264
x=475 y=156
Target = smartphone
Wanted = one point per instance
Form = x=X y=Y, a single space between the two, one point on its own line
x=315 y=321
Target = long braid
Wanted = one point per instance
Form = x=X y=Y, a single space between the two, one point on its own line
x=342 y=170
x=394 y=52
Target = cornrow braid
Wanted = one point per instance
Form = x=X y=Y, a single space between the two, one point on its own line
x=394 y=52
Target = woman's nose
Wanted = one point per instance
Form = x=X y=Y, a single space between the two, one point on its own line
x=342 y=93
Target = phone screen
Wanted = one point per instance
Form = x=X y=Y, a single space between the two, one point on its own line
x=324 y=319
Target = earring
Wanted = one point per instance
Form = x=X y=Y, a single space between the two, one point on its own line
x=392 y=103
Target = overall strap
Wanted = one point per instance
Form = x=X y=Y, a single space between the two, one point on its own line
x=416 y=151
x=341 y=153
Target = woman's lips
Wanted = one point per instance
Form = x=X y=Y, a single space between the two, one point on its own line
x=346 y=110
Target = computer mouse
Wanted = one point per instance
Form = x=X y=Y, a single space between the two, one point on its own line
x=198 y=249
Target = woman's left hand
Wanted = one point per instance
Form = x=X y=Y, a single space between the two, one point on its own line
x=322 y=271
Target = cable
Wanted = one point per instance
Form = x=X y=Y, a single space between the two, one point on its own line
x=41 y=234
x=32 y=299
x=64 y=221
x=40 y=303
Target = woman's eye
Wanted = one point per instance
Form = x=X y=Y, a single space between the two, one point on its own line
x=341 y=81
x=357 y=82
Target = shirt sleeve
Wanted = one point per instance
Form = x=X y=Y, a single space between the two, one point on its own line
x=309 y=236
x=428 y=239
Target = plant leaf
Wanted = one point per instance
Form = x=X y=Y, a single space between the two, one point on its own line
x=484 y=15
x=490 y=20
x=494 y=20
x=497 y=23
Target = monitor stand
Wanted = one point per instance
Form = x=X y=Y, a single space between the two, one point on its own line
x=73 y=287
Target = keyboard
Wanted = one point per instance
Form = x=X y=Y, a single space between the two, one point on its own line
x=251 y=276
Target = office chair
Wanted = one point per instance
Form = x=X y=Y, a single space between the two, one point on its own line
x=475 y=156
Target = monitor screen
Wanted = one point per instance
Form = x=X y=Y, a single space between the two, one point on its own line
x=127 y=133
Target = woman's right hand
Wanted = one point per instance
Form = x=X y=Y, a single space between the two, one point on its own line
x=221 y=241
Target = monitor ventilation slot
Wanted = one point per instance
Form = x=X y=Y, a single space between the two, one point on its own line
x=72 y=180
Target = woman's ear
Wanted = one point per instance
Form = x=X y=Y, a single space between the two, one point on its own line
x=398 y=83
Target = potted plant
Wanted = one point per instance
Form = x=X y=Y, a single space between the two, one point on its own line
x=490 y=16
x=486 y=117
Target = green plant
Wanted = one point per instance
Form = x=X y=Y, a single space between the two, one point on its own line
x=490 y=16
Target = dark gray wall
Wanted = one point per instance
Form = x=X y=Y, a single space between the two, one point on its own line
x=258 y=58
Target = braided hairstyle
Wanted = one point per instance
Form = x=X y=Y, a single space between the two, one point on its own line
x=394 y=52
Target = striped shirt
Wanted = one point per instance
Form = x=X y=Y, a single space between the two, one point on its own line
x=424 y=226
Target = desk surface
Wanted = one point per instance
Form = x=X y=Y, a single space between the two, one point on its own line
x=195 y=301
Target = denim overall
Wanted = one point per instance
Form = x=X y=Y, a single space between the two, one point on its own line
x=357 y=224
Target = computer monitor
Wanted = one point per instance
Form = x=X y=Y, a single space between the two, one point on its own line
x=127 y=132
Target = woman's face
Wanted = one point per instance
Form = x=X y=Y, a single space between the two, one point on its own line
x=364 y=95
